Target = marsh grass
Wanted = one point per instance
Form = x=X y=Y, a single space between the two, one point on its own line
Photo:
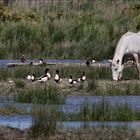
x=98 y=78
x=11 y=110
x=19 y=83
x=40 y=95
x=44 y=122
x=130 y=73
x=118 y=89
x=74 y=29
x=20 y=72
x=65 y=71
x=104 y=111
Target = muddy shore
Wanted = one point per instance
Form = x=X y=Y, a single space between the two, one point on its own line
x=7 y=133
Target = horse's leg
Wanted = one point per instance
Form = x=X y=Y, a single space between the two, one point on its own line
x=137 y=63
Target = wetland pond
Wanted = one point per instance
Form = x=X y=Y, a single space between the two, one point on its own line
x=4 y=62
x=72 y=104
x=25 y=121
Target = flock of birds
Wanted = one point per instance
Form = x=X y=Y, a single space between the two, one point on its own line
x=57 y=78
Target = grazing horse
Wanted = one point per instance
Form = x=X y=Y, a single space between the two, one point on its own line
x=128 y=47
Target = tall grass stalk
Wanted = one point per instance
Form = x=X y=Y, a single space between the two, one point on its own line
x=44 y=123
x=104 y=111
x=40 y=95
x=98 y=78
x=74 y=29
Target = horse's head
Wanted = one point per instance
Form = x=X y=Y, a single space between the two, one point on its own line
x=117 y=68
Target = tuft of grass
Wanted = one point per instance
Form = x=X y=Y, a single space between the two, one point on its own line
x=40 y=95
x=19 y=83
x=104 y=111
x=44 y=123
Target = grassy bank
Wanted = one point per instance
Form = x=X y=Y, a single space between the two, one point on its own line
x=40 y=95
x=74 y=29
x=98 y=80
x=97 y=72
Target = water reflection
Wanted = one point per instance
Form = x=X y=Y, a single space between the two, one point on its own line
x=4 y=62
x=74 y=102
x=25 y=121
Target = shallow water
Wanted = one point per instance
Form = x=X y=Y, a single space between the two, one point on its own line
x=25 y=121
x=16 y=121
x=73 y=102
x=132 y=101
x=6 y=61
x=3 y=62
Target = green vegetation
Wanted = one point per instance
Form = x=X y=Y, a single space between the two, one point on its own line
x=11 y=110
x=44 y=123
x=98 y=79
x=40 y=95
x=98 y=73
x=102 y=88
x=104 y=111
x=74 y=29
x=45 y=120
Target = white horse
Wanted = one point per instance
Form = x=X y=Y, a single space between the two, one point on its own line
x=128 y=47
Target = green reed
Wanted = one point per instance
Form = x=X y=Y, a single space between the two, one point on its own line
x=104 y=111
x=44 y=122
x=77 y=29
x=40 y=95
x=98 y=78
x=121 y=88
x=21 y=72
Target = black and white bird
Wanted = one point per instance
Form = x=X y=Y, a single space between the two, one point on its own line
x=47 y=72
x=30 y=77
x=46 y=76
x=82 y=78
x=40 y=61
x=88 y=62
x=57 y=78
x=71 y=81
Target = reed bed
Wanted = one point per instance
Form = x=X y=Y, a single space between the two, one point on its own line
x=74 y=29
x=44 y=123
x=40 y=95
x=98 y=80
x=103 y=111
x=92 y=72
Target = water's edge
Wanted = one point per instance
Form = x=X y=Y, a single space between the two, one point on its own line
x=25 y=121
